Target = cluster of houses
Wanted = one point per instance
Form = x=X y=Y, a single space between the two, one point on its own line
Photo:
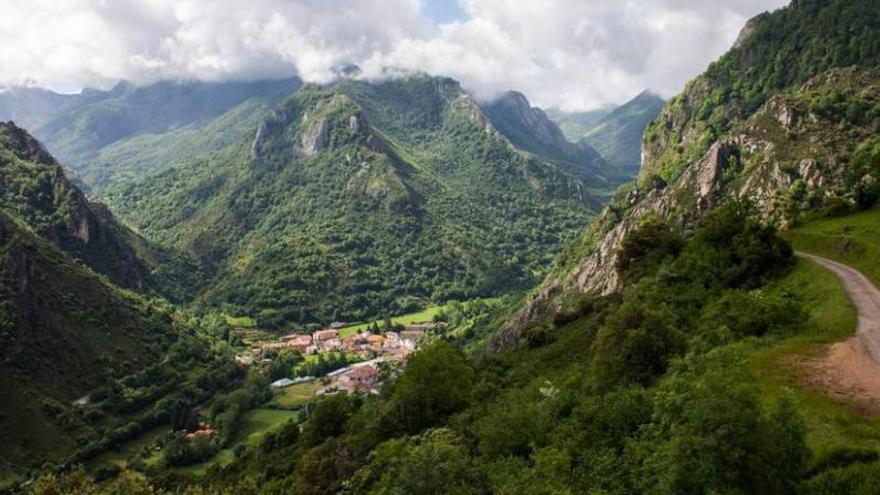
x=390 y=347
x=329 y=340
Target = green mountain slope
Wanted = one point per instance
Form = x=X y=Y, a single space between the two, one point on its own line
x=529 y=129
x=358 y=199
x=771 y=122
x=575 y=125
x=33 y=107
x=775 y=52
x=618 y=136
x=107 y=136
x=34 y=188
x=63 y=331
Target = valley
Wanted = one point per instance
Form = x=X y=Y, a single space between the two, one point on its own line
x=366 y=279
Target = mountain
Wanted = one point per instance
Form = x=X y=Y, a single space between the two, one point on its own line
x=34 y=188
x=530 y=129
x=618 y=135
x=135 y=130
x=65 y=327
x=33 y=107
x=575 y=125
x=792 y=134
x=64 y=330
x=358 y=199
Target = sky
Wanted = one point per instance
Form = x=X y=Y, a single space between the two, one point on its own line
x=570 y=54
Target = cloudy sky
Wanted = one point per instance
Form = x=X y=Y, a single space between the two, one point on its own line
x=574 y=54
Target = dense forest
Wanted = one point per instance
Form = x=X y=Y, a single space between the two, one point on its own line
x=359 y=200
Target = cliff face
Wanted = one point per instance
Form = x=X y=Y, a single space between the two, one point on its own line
x=531 y=130
x=789 y=147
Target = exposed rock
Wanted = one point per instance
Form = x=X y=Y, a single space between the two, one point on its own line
x=316 y=138
x=711 y=172
x=258 y=140
x=755 y=163
x=748 y=30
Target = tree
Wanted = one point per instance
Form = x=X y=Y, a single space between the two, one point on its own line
x=432 y=463
x=74 y=482
x=328 y=420
x=437 y=382
x=635 y=345
x=651 y=243
x=709 y=434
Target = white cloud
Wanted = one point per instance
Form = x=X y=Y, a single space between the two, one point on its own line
x=570 y=53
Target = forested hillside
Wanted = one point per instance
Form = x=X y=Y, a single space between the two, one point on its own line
x=360 y=199
x=34 y=188
x=531 y=130
x=64 y=331
x=678 y=344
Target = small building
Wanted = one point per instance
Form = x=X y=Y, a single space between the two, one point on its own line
x=323 y=335
x=301 y=343
x=331 y=345
x=423 y=327
x=245 y=359
x=375 y=342
x=204 y=430
x=360 y=378
x=392 y=341
x=412 y=335
x=282 y=383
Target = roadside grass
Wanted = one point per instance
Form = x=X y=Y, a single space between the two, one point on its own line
x=831 y=423
x=852 y=239
x=297 y=395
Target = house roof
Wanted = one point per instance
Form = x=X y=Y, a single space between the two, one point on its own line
x=363 y=372
x=325 y=334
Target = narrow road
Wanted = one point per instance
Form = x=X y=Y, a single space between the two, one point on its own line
x=865 y=296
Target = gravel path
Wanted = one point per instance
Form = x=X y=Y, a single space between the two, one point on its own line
x=850 y=370
x=865 y=297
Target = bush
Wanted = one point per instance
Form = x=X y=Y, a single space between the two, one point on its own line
x=635 y=345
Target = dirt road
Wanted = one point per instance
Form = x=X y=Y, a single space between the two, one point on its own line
x=865 y=296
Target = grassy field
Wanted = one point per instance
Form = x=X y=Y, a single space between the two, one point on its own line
x=423 y=316
x=297 y=395
x=241 y=321
x=831 y=423
x=119 y=457
x=253 y=425
x=853 y=239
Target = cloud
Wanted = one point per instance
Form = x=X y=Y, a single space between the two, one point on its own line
x=573 y=54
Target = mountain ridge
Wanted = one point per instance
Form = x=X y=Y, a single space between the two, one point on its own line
x=753 y=157
x=299 y=218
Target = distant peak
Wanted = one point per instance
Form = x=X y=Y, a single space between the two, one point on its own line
x=347 y=70
x=647 y=94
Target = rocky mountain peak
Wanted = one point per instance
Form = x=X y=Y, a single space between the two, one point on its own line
x=22 y=144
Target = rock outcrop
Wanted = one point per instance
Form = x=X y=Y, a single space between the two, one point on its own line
x=785 y=159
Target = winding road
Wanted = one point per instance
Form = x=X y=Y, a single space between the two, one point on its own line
x=865 y=296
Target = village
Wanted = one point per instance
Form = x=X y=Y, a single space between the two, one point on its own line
x=377 y=354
